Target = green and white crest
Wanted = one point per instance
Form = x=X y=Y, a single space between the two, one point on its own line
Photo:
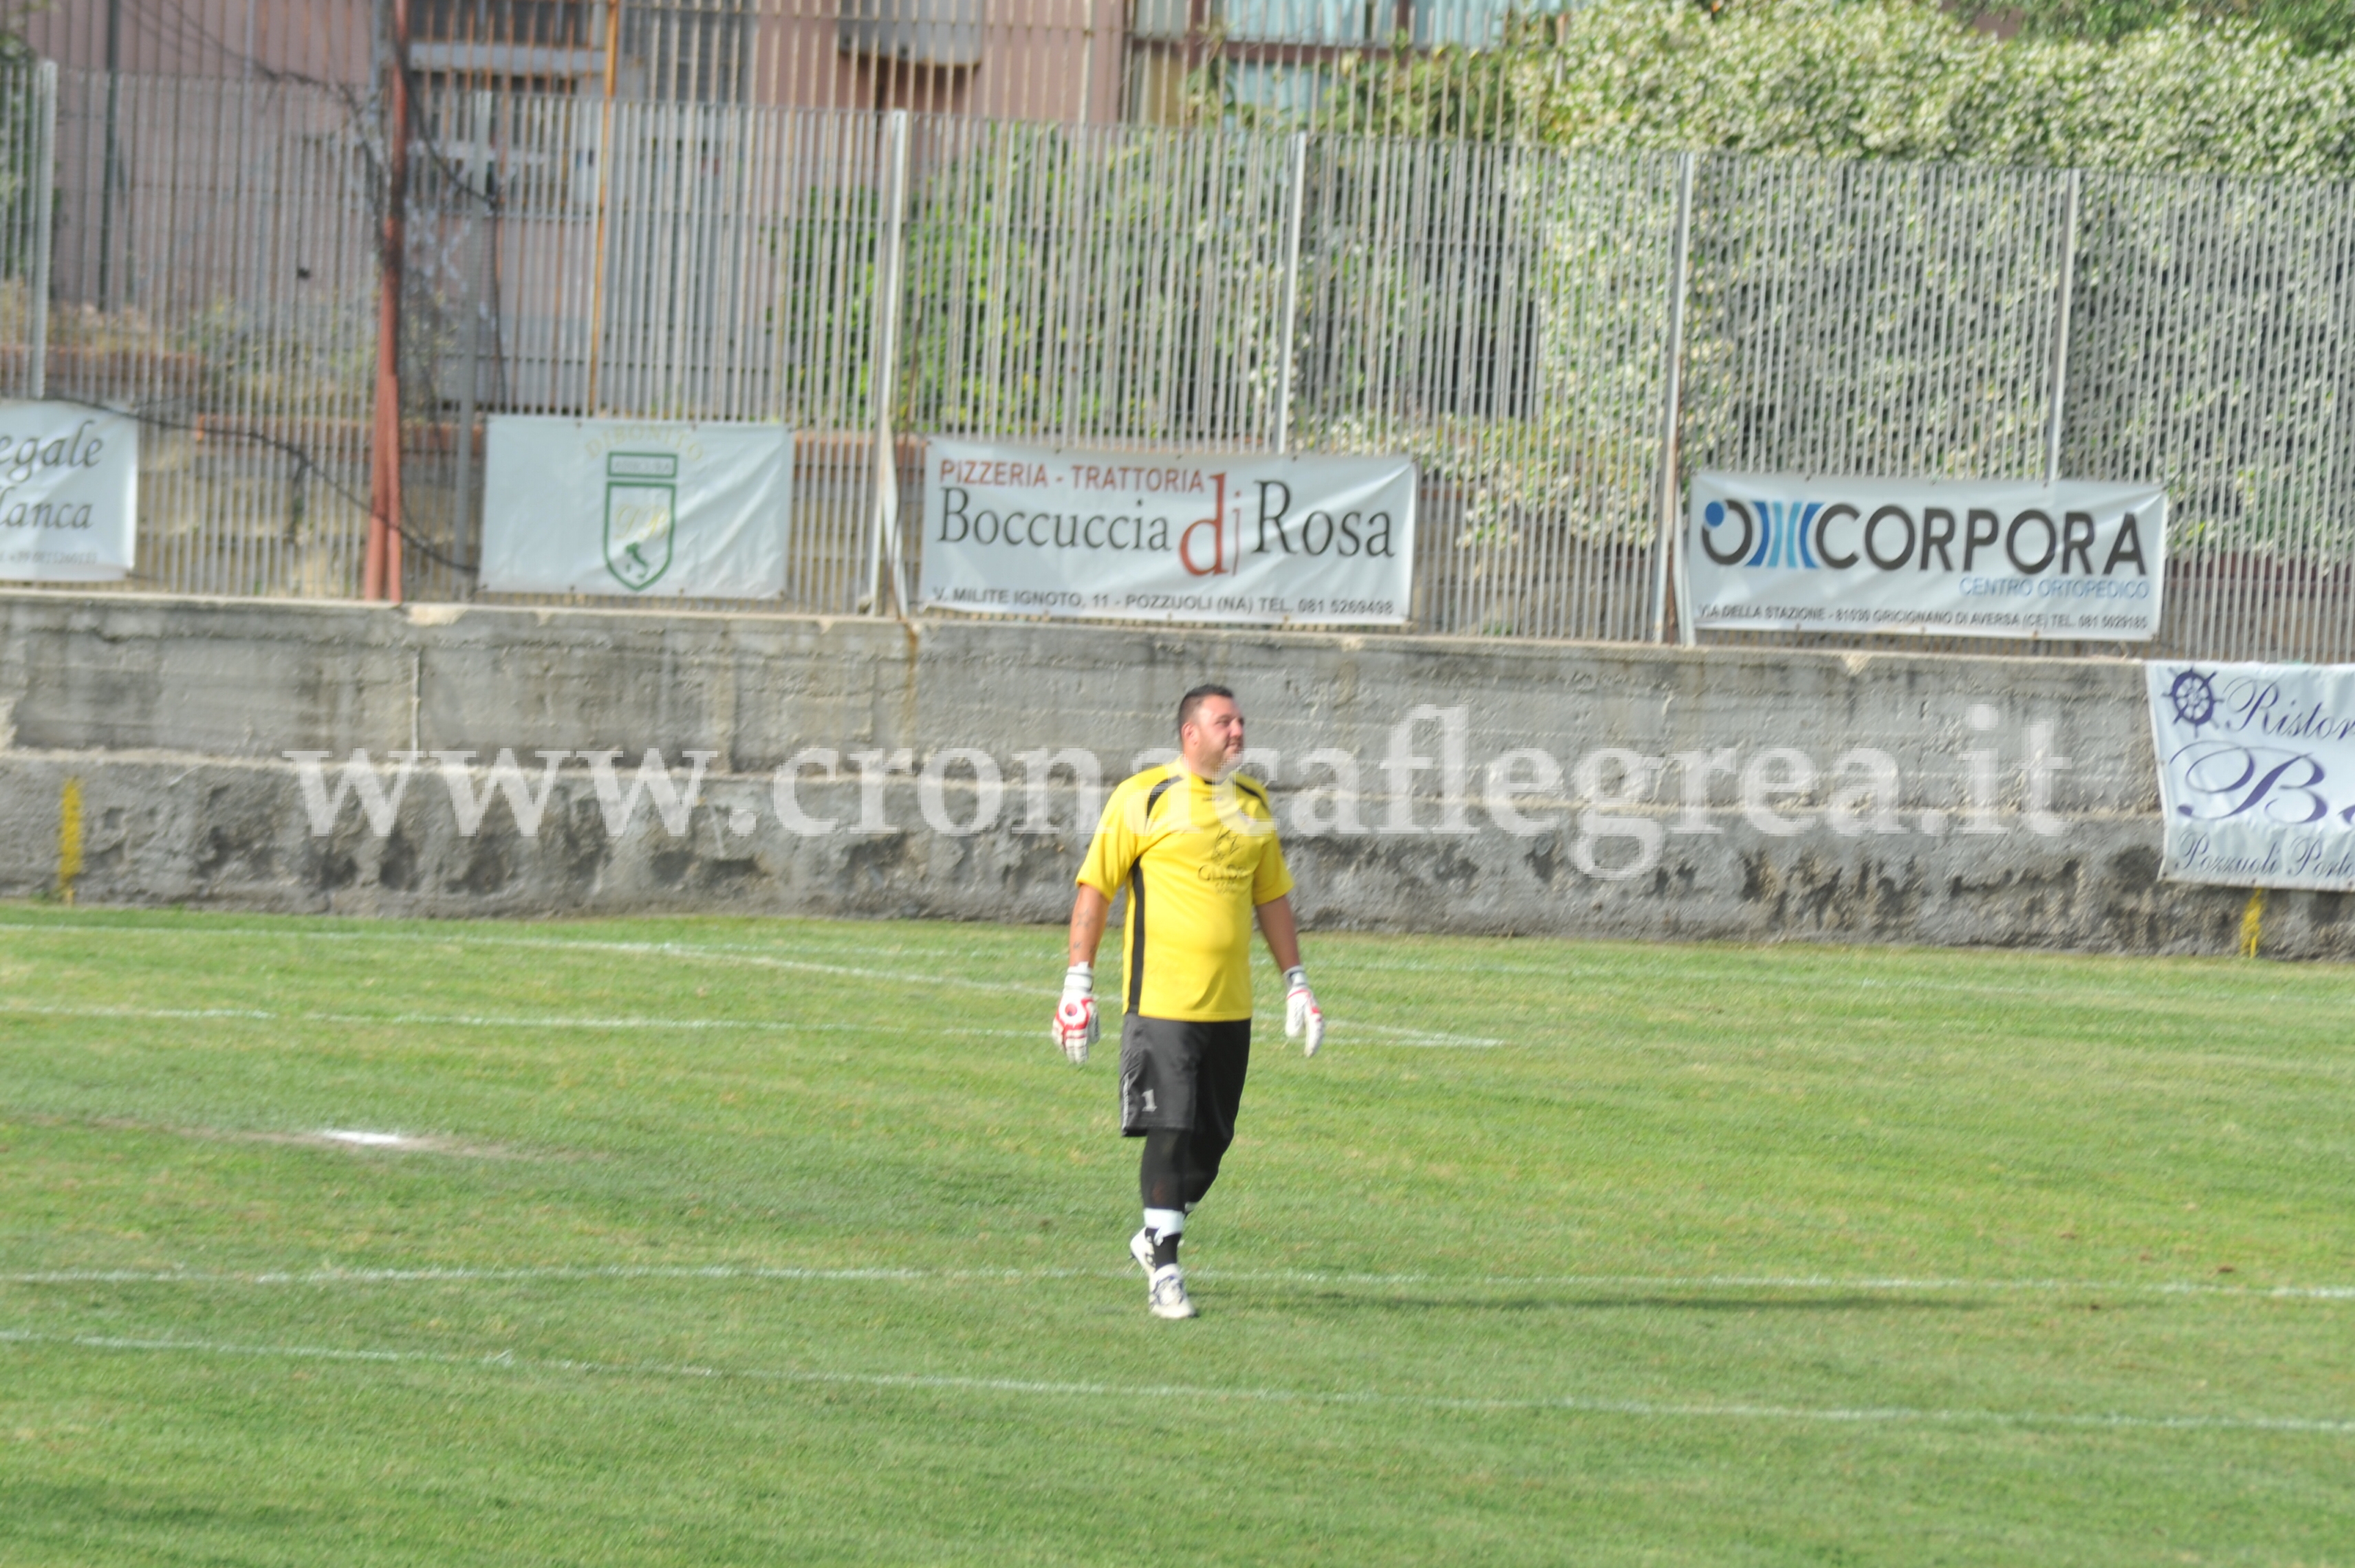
x=641 y=515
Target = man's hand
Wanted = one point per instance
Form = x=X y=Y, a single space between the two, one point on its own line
x=1300 y=1013
x=1076 y=1026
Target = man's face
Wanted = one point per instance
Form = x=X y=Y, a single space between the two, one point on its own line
x=1213 y=741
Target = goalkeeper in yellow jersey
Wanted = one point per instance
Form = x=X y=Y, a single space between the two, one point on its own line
x=1193 y=844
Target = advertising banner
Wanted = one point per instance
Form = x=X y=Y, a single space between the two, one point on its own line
x=69 y=493
x=660 y=508
x=2256 y=773
x=1032 y=530
x=2078 y=560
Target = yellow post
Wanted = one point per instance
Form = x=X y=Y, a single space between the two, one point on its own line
x=2249 y=919
x=69 y=837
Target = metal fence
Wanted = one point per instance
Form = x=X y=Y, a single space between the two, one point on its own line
x=207 y=264
x=1555 y=338
x=1305 y=64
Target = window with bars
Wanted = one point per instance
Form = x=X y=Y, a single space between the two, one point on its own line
x=1276 y=61
x=698 y=50
x=917 y=32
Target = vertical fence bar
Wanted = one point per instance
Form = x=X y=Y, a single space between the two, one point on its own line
x=1298 y=163
x=604 y=199
x=1664 y=541
x=107 y=169
x=884 y=522
x=2064 y=298
x=45 y=180
x=462 y=487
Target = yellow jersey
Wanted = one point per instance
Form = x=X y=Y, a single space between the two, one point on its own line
x=1195 y=858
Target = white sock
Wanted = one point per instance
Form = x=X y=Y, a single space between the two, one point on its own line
x=1161 y=1222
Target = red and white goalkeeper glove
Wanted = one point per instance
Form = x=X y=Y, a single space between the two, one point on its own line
x=1076 y=1026
x=1300 y=1013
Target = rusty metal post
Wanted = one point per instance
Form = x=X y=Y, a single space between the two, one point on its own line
x=380 y=577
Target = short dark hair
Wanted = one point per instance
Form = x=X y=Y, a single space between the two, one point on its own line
x=1195 y=698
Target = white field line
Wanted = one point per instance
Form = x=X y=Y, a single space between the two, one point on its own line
x=480 y=1020
x=38 y=1009
x=766 y=957
x=1805 y=1282
x=505 y=1360
x=1343 y=1029
x=484 y=1020
x=453 y=1020
x=2058 y=993
x=759 y=958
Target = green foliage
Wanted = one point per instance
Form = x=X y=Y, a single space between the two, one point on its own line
x=14 y=15
x=1886 y=79
x=2312 y=27
x=1900 y=80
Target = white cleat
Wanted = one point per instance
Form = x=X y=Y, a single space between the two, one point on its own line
x=1168 y=1298
x=1140 y=1247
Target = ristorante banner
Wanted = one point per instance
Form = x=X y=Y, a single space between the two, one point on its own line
x=2256 y=773
x=1977 y=559
x=1027 y=530
x=69 y=493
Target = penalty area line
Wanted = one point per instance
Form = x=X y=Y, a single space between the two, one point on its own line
x=590 y=1273
x=506 y=1360
x=756 y=958
x=486 y=1020
x=1341 y=1030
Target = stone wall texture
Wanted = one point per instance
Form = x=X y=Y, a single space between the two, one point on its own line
x=1422 y=783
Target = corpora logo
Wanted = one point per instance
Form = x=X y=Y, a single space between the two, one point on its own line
x=1777 y=530
x=1837 y=536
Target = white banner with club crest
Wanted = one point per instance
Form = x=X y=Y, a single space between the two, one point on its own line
x=642 y=508
x=2256 y=773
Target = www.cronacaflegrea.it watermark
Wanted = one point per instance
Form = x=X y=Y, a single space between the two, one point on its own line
x=1622 y=803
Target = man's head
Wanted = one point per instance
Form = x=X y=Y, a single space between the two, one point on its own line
x=1209 y=732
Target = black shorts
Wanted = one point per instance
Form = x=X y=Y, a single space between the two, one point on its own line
x=1177 y=1076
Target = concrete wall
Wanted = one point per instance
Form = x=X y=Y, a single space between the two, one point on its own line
x=2012 y=800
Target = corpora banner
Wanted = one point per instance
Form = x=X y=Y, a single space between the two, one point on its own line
x=1032 y=530
x=2076 y=559
x=659 y=508
x=2256 y=773
x=69 y=493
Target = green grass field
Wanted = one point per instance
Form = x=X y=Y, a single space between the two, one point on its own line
x=781 y=1241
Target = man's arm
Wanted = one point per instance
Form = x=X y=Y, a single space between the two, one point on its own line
x=1301 y=1014
x=1275 y=924
x=1090 y=910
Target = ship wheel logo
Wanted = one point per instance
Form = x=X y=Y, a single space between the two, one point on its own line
x=2194 y=696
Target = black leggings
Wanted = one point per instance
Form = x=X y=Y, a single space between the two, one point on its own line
x=1178 y=1166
